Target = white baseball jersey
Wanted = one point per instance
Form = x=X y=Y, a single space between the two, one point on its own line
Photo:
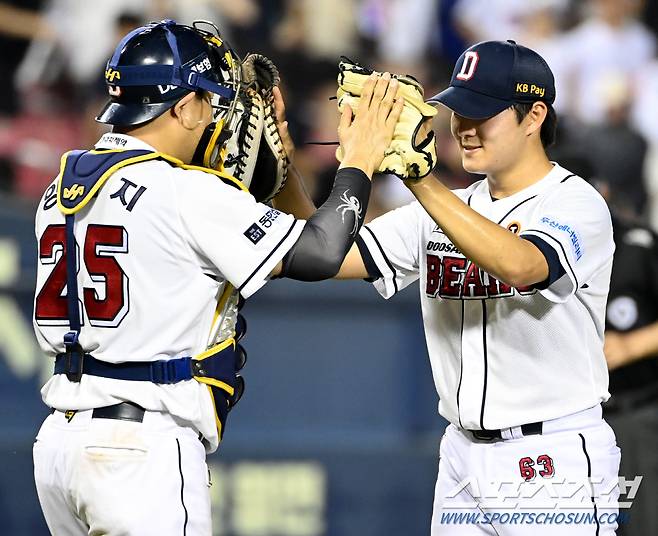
x=156 y=248
x=501 y=356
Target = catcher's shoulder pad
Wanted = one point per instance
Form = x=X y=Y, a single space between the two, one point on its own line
x=83 y=174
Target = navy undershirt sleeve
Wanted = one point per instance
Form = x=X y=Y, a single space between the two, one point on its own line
x=555 y=268
x=368 y=261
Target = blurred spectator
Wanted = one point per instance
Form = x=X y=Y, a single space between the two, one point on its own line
x=83 y=35
x=387 y=23
x=645 y=118
x=59 y=76
x=233 y=17
x=651 y=15
x=20 y=22
x=484 y=20
x=617 y=150
x=322 y=30
x=631 y=350
x=249 y=24
x=537 y=25
x=610 y=44
x=645 y=105
x=449 y=40
x=95 y=93
x=651 y=174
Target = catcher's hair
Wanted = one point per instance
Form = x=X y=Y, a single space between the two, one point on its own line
x=548 y=127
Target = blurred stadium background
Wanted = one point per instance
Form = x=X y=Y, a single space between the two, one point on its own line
x=338 y=432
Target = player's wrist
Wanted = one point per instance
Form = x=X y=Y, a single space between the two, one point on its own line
x=427 y=183
x=358 y=162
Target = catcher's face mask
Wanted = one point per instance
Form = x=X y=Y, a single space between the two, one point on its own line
x=210 y=151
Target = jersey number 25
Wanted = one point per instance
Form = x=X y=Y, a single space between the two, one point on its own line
x=102 y=242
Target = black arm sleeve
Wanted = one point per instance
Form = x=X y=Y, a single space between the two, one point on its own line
x=329 y=234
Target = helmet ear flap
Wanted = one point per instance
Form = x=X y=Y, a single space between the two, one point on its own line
x=209 y=151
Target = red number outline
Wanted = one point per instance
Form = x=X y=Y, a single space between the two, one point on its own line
x=526 y=467
x=548 y=471
x=102 y=242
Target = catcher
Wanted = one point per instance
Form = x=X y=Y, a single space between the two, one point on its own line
x=147 y=248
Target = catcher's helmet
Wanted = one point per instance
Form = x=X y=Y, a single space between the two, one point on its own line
x=156 y=65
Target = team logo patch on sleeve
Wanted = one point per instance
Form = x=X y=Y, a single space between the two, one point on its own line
x=515 y=227
x=254 y=233
x=574 y=238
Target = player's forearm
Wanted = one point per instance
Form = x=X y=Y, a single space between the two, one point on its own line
x=642 y=342
x=329 y=234
x=494 y=249
x=294 y=198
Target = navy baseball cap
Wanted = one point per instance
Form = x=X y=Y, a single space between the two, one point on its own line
x=492 y=76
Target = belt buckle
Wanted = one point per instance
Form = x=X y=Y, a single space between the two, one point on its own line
x=485 y=435
x=75 y=357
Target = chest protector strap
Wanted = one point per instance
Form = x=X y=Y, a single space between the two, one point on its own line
x=82 y=175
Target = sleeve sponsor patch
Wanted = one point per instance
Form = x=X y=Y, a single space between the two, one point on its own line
x=268 y=219
x=254 y=233
x=574 y=238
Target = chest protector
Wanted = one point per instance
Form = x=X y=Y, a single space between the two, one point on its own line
x=82 y=175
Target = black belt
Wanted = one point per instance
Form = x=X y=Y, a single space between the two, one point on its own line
x=124 y=411
x=533 y=428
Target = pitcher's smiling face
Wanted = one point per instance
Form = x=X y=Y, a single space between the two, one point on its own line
x=489 y=145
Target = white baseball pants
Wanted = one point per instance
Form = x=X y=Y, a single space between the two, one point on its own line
x=111 y=477
x=562 y=482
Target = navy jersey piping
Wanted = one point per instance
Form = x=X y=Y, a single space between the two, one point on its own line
x=388 y=262
x=269 y=255
x=486 y=362
x=589 y=476
x=182 y=487
x=461 y=364
x=514 y=208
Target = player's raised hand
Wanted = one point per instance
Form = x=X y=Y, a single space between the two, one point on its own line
x=366 y=132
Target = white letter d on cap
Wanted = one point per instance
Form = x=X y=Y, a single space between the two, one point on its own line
x=468 y=67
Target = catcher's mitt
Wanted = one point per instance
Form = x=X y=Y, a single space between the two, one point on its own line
x=260 y=73
x=246 y=131
x=255 y=152
x=405 y=157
